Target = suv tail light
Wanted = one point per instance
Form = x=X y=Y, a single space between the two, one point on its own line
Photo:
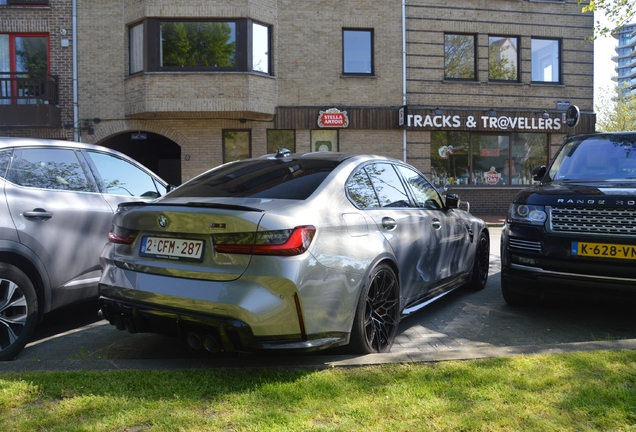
x=281 y=242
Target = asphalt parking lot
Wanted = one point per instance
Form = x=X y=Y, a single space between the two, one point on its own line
x=461 y=325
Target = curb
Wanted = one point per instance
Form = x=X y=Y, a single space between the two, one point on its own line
x=313 y=362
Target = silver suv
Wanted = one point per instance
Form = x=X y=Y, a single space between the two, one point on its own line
x=56 y=210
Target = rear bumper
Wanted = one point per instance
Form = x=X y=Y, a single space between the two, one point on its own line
x=212 y=332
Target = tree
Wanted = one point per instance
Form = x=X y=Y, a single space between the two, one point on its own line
x=616 y=110
x=617 y=12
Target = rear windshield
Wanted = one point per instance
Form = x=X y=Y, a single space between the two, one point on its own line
x=605 y=157
x=260 y=178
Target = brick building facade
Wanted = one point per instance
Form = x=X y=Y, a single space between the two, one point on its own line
x=472 y=93
x=30 y=105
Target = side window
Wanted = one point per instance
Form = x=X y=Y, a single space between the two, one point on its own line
x=5 y=158
x=424 y=193
x=360 y=190
x=387 y=185
x=58 y=169
x=120 y=177
x=260 y=48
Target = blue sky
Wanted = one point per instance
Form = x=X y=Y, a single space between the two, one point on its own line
x=603 y=64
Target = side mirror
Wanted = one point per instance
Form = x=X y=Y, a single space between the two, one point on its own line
x=539 y=172
x=452 y=200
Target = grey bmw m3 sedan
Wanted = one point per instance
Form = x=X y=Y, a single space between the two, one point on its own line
x=290 y=252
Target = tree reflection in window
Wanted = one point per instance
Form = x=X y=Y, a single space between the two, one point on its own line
x=61 y=171
x=459 y=56
x=361 y=190
x=188 y=44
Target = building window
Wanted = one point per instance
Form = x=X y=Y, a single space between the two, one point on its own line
x=357 y=52
x=462 y=158
x=200 y=45
x=281 y=138
x=546 y=60
x=197 y=44
x=136 y=48
x=24 y=63
x=237 y=145
x=503 y=58
x=459 y=57
x=324 y=140
x=260 y=48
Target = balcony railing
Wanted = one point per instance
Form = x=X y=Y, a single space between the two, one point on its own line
x=28 y=2
x=33 y=88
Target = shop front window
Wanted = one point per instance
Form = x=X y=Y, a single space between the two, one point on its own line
x=237 y=145
x=324 y=140
x=281 y=139
x=450 y=153
x=461 y=158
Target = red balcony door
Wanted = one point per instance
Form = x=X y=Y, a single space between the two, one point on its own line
x=24 y=61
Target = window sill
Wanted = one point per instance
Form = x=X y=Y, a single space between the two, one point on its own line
x=547 y=84
x=259 y=74
x=358 y=76
x=473 y=82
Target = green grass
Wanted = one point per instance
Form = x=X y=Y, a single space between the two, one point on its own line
x=568 y=392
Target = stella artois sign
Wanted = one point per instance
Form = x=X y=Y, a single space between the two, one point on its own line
x=333 y=118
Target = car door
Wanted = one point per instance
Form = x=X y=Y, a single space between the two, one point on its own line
x=59 y=215
x=415 y=234
x=451 y=230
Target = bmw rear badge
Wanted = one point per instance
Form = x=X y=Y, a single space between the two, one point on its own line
x=163 y=221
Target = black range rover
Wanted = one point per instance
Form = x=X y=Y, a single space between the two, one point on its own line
x=576 y=231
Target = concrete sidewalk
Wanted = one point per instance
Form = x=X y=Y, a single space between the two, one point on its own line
x=315 y=362
x=463 y=325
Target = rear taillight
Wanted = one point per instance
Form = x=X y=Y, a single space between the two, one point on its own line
x=120 y=235
x=280 y=242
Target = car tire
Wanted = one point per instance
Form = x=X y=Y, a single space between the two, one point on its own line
x=378 y=313
x=18 y=311
x=516 y=298
x=482 y=263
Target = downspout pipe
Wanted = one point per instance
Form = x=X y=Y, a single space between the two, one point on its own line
x=404 y=73
x=76 y=135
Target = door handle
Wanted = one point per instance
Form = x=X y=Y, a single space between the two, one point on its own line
x=388 y=223
x=38 y=213
x=436 y=224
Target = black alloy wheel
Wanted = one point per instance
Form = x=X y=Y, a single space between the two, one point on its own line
x=378 y=314
x=18 y=311
x=482 y=263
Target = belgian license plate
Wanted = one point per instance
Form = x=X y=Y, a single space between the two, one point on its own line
x=603 y=250
x=172 y=248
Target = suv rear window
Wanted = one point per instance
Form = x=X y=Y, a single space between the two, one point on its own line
x=261 y=178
